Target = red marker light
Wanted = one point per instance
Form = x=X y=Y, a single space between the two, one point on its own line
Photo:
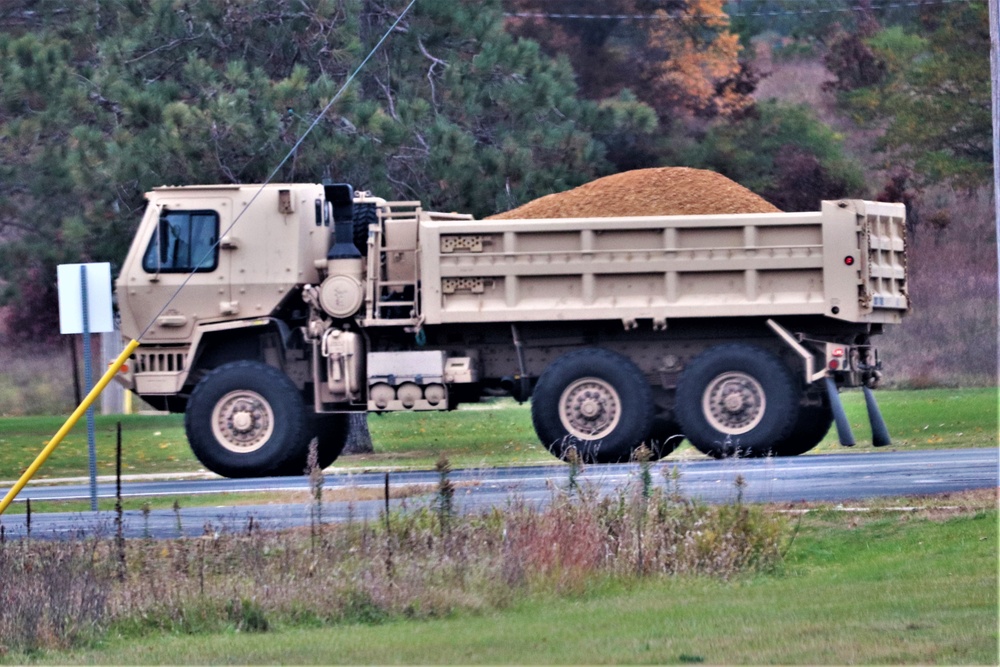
x=849 y=260
x=834 y=364
x=838 y=352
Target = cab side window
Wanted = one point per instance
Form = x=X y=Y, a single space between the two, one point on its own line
x=185 y=241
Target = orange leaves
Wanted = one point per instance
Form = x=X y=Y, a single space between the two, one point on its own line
x=697 y=53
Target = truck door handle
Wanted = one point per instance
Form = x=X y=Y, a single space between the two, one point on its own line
x=172 y=320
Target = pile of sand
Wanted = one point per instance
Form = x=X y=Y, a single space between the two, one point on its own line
x=659 y=191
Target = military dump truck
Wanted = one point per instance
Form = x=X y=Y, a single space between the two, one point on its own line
x=733 y=331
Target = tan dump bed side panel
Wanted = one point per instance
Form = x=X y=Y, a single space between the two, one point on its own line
x=646 y=267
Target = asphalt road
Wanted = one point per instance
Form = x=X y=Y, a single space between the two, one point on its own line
x=825 y=477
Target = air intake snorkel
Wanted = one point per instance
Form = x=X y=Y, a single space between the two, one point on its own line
x=342 y=293
x=341 y=197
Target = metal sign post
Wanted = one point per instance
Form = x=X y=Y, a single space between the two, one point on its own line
x=85 y=308
x=88 y=382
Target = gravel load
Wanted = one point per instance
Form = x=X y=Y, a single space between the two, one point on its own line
x=657 y=191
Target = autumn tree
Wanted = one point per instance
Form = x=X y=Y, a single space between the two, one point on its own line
x=850 y=58
x=678 y=56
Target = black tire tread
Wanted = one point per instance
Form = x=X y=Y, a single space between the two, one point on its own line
x=364 y=215
x=330 y=432
x=810 y=428
x=634 y=392
x=292 y=424
x=782 y=394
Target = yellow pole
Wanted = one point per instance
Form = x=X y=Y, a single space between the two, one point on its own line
x=70 y=423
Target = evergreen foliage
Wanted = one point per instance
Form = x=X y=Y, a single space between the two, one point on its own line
x=99 y=102
x=784 y=153
x=933 y=100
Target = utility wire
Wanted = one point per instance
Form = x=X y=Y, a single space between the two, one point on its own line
x=281 y=164
x=666 y=16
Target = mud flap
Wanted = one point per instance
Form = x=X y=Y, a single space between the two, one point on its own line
x=844 y=433
x=880 y=433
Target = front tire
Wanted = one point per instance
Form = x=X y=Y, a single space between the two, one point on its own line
x=247 y=419
x=737 y=400
x=331 y=436
x=595 y=401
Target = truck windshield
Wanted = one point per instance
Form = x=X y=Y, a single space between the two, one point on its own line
x=184 y=241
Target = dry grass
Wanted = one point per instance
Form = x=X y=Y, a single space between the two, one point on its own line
x=34 y=380
x=939 y=505
x=950 y=337
x=422 y=564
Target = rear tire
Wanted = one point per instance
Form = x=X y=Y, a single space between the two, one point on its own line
x=595 y=401
x=247 y=419
x=810 y=428
x=664 y=437
x=736 y=400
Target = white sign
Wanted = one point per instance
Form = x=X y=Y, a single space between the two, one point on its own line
x=99 y=314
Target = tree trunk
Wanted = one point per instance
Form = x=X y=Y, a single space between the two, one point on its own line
x=359 y=440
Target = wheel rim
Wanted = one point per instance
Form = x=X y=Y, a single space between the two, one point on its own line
x=734 y=403
x=242 y=421
x=589 y=408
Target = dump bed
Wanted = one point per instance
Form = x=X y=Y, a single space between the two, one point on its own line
x=847 y=261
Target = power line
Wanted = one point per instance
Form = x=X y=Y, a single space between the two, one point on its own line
x=275 y=171
x=664 y=16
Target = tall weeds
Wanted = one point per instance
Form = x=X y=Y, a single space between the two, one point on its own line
x=61 y=594
x=53 y=595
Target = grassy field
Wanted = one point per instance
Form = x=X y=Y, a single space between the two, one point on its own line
x=469 y=438
x=876 y=588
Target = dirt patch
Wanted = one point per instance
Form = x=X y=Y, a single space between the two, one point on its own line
x=933 y=507
x=658 y=191
x=341 y=494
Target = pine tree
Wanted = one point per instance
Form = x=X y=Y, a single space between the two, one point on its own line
x=933 y=101
x=102 y=101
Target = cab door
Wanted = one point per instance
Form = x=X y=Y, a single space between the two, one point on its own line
x=178 y=273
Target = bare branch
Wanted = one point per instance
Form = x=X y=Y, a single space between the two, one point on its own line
x=168 y=46
x=388 y=95
x=430 y=71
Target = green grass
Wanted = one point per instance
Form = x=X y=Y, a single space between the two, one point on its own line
x=892 y=589
x=469 y=438
x=501 y=434
x=924 y=419
x=150 y=444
